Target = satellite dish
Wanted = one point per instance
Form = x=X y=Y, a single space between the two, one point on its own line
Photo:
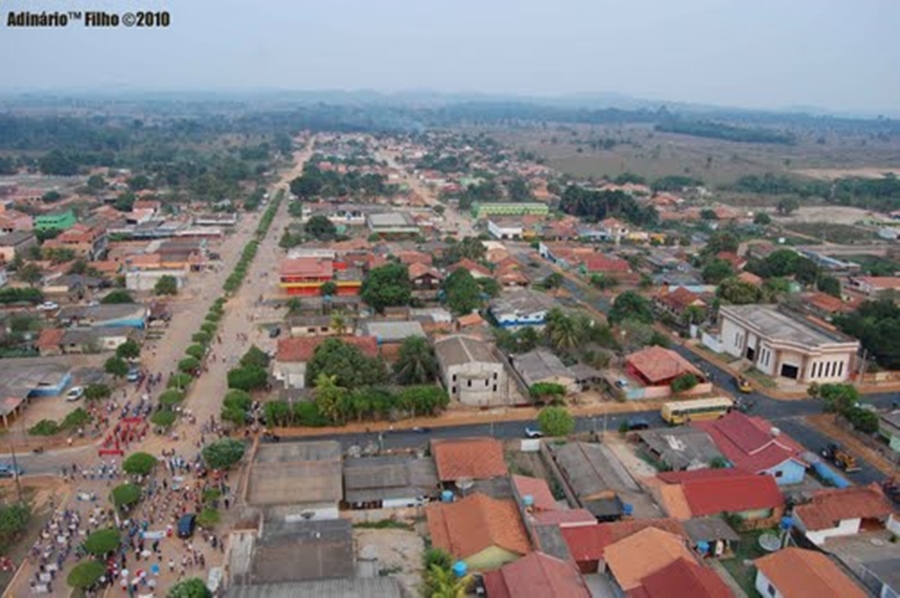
x=464 y=484
x=769 y=542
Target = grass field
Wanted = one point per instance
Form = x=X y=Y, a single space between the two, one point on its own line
x=842 y=234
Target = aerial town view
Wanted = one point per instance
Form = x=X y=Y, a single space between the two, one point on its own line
x=380 y=300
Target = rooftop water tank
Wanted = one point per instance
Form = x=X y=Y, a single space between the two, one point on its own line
x=460 y=569
x=528 y=500
x=447 y=496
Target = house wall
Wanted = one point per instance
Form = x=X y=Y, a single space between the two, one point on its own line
x=293 y=512
x=490 y=558
x=789 y=472
x=893 y=525
x=847 y=527
x=504 y=232
x=763 y=584
x=489 y=383
x=515 y=321
x=292 y=375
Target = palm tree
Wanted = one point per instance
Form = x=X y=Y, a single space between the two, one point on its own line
x=330 y=398
x=443 y=583
x=693 y=314
x=416 y=363
x=339 y=323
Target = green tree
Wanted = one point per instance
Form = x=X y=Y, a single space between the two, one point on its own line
x=387 y=286
x=139 y=464
x=236 y=406
x=166 y=285
x=96 y=183
x=328 y=289
x=350 y=367
x=14 y=520
x=86 y=575
x=738 y=292
x=223 y=454
x=693 y=314
x=830 y=285
x=116 y=297
x=631 y=306
x=489 y=286
x=331 y=399
x=462 y=292
x=717 y=270
x=97 y=392
x=423 y=399
x=188 y=365
x=30 y=274
x=762 y=219
x=321 y=228
x=164 y=418
x=189 y=588
x=102 y=542
x=787 y=206
x=839 y=398
x=445 y=584
x=170 y=397
x=547 y=392
x=556 y=421
x=416 y=362
x=255 y=357
x=562 y=331
x=195 y=351
x=684 y=383
x=116 y=366
x=721 y=241
x=248 y=378
x=128 y=350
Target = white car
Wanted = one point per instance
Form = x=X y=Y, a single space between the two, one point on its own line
x=48 y=306
x=75 y=393
x=533 y=433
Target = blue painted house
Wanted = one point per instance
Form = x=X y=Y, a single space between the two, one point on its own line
x=520 y=308
x=131 y=315
x=755 y=445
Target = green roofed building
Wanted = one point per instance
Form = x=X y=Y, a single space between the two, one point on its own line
x=60 y=221
x=484 y=210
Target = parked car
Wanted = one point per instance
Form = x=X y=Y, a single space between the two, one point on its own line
x=48 y=306
x=621 y=383
x=75 y=393
x=8 y=470
x=274 y=332
x=533 y=433
x=186 y=525
x=637 y=423
x=134 y=375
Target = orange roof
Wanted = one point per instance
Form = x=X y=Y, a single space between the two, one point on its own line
x=682 y=579
x=418 y=269
x=799 y=573
x=309 y=267
x=642 y=554
x=144 y=259
x=106 y=266
x=468 y=526
x=50 y=338
x=829 y=507
x=472 y=319
x=473 y=267
x=588 y=542
x=657 y=364
x=681 y=298
x=537 y=489
x=751 y=278
x=302 y=348
x=537 y=575
x=475 y=458
x=827 y=303
x=414 y=257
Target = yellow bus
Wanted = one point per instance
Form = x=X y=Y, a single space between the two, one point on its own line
x=679 y=412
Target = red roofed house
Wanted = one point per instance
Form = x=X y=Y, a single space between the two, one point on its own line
x=293 y=353
x=677 y=302
x=50 y=341
x=305 y=275
x=483 y=532
x=86 y=241
x=13 y=220
x=682 y=579
x=755 y=445
x=632 y=559
x=537 y=575
x=797 y=573
x=468 y=458
x=843 y=512
x=755 y=499
x=598 y=263
x=656 y=368
x=873 y=286
x=424 y=277
x=509 y=274
x=825 y=306
x=474 y=268
x=588 y=543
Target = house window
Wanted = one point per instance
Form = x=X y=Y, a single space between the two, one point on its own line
x=779 y=473
x=453 y=390
x=771 y=590
x=487 y=382
x=495 y=388
x=840 y=371
x=495 y=375
x=454 y=377
x=469 y=383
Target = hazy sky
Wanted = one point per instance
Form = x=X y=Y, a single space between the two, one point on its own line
x=839 y=54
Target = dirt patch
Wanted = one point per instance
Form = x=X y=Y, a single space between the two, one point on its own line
x=831 y=214
x=829 y=174
x=397 y=553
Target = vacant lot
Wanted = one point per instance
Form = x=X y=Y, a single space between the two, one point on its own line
x=829 y=174
x=832 y=214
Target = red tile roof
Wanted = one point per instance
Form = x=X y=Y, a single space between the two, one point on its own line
x=414 y=257
x=829 y=507
x=658 y=364
x=475 y=458
x=707 y=493
x=749 y=443
x=418 y=269
x=565 y=518
x=598 y=262
x=681 y=298
x=538 y=490
x=308 y=267
x=803 y=573
x=301 y=348
x=588 y=542
x=50 y=338
x=827 y=303
x=682 y=579
x=466 y=527
x=473 y=267
x=537 y=575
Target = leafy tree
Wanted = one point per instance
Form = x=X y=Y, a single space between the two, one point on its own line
x=139 y=464
x=877 y=325
x=331 y=399
x=721 y=241
x=170 y=397
x=248 y=378
x=102 y=542
x=489 y=286
x=116 y=297
x=684 y=383
x=96 y=183
x=97 y=392
x=468 y=247
x=86 y=575
x=45 y=427
x=255 y=357
x=556 y=421
x=222 y=454
x=762 y=219
x=195 y=351
x=425 y=399
x=189 y=365
x=116 y=366
x=387 y=286
x=739 y=292
x=830 y=285
x=547 y=392
x=708 y=214
x=717 y=270
x=416 y=362
x=166 y=285
x=520 y=341
x=839 y=398
x=277 y=413
x=208 y=518
x=128 y=350
x=562 y=331
x=328 y=289
x=236 y=406
x=14 y=518
x=76 y=418
x=30 y=273
x=164 y=418
x=862 y=419
x=189 y=588
x=693 y=314
x=631 y=306
x=554 y=280
x=294 y=306
x=179 y=381
x=321 y=228
x=787 y=206
x=350 y=367
x=604 y=282
x=446 y=584
x=462 y=292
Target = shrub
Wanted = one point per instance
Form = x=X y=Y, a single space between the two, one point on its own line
x=76 y=419
x=224 y=453
x=45 y=427
x=96 y=392
x=201 y=337
x=180 y=381
x=684 y=383
x=163 y=418
x=139 y=464
x=248 y=378
x=189 y=364
x=195 y=351
x=213 y=316
x=235 y=406
x=102 y=542
x=85 y=575
x=190 y=588
x=209 y=328
x=556 y=421
x=171 y=397
x=862 y=419
x=208 y=518
x=125 y=495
